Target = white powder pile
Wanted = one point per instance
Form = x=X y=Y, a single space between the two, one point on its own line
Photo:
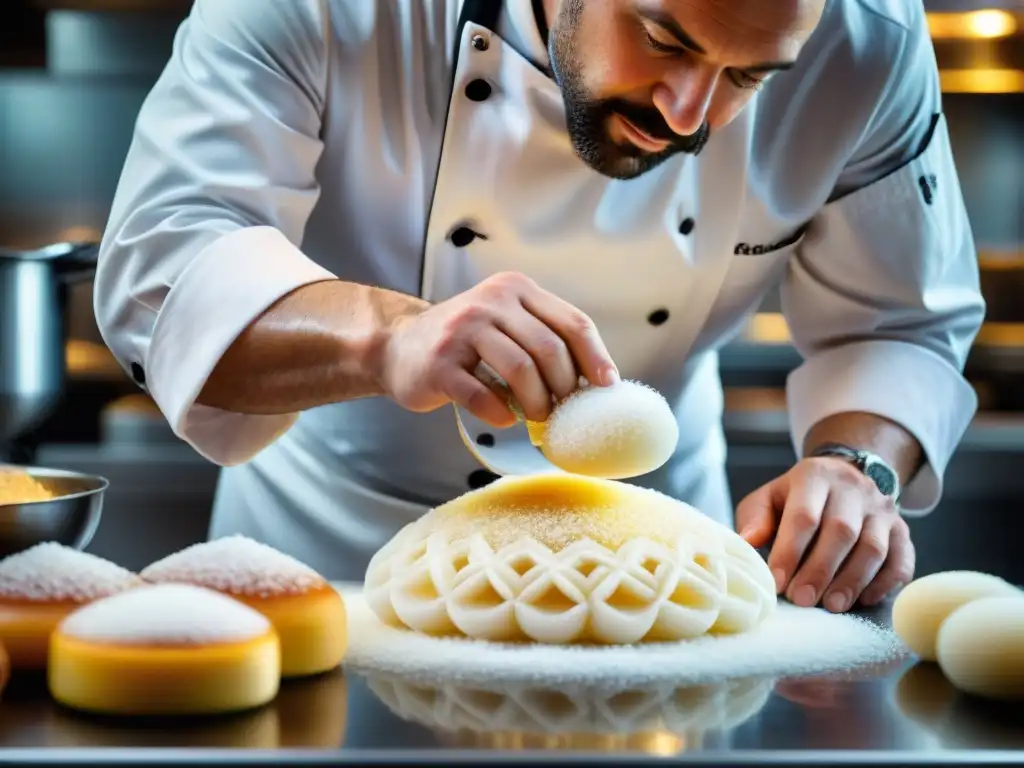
x=238 y=565
x=166 y=614
x=53 y=573
x=620 y=431
x=792 y=641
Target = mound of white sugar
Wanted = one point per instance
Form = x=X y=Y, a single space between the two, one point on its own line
x=615 y=432
x=166 y=614
x=792 y=641
x=53 y=573
x=235 y=564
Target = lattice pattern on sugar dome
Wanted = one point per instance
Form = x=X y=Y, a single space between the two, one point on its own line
x=531 y=709
x=459 y=571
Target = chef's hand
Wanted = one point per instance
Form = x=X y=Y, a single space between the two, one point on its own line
x=537 y=343
x=837 y=538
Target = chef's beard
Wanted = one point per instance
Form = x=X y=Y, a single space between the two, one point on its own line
x=589 y=118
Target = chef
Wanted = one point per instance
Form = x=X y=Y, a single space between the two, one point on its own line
x=332 y=212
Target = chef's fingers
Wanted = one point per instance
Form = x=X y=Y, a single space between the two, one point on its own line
x=838 y=532
x=519 y=370
x=801 y=515
x=548 y=350
x=861 y=566
x=467 y=391
x=899 y=565
x=577 y=330
x=757 y=515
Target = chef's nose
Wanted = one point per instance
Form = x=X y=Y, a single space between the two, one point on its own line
x=683 y=99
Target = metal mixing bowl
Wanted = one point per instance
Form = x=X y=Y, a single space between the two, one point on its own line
x=70 y=518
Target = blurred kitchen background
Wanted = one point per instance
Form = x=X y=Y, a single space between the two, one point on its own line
x=73 y=74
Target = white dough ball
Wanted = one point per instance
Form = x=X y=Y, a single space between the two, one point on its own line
x=615 y=432
x=980 y=647
x=924 y=604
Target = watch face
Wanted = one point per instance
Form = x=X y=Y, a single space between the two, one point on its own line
x=882 y=476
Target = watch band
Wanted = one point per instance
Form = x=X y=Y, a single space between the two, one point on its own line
x=837 y=449
x=881 y=474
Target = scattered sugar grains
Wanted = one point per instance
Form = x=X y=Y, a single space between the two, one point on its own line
x=177 y=614
x=792 y=641
x=237 y=565
x=53 y=573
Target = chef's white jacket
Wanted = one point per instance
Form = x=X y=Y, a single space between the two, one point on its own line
x=292 y=142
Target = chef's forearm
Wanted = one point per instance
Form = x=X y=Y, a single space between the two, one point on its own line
x=866 y=431
x=318 y=345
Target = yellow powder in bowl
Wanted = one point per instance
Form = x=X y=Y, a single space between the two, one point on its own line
x=17 y=487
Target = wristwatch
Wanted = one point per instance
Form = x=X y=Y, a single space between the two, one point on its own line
x=883 y=476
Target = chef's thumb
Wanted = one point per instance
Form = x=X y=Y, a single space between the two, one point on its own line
x=755 y=516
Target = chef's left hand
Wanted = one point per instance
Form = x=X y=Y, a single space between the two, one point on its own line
x=837 y=538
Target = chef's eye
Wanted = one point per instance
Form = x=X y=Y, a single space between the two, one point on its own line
x=656 y=45
x=743 y=80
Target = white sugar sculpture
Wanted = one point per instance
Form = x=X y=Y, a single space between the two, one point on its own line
x=567 y=559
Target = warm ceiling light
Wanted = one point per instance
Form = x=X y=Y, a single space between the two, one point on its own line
x=985 y=24
x=80 y=234
x=991 y=23
x=982 y=80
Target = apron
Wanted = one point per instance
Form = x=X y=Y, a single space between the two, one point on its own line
x=510 y=194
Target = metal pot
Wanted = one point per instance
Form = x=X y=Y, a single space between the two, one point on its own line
x=70 y=518
x=33 y=331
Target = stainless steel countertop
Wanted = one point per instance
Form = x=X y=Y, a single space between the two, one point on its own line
x=902 y=713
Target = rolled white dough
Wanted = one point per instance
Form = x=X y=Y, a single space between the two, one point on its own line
x=980 y=647
x=563 y=559
x=924 y=604
x=615 y=432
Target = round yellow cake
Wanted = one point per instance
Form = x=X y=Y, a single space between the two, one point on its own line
x=313 y=713
x=307 y=612
x=569 y=559
x=41 y=586
x=170 y=649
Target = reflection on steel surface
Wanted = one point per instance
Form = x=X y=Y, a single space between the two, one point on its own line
x=309 y=713
x=958 y=721
x=657 y=719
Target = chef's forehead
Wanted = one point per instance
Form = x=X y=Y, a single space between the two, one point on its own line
x=727 y=29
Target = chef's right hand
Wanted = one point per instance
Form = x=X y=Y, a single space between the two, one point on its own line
x=537 y=343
